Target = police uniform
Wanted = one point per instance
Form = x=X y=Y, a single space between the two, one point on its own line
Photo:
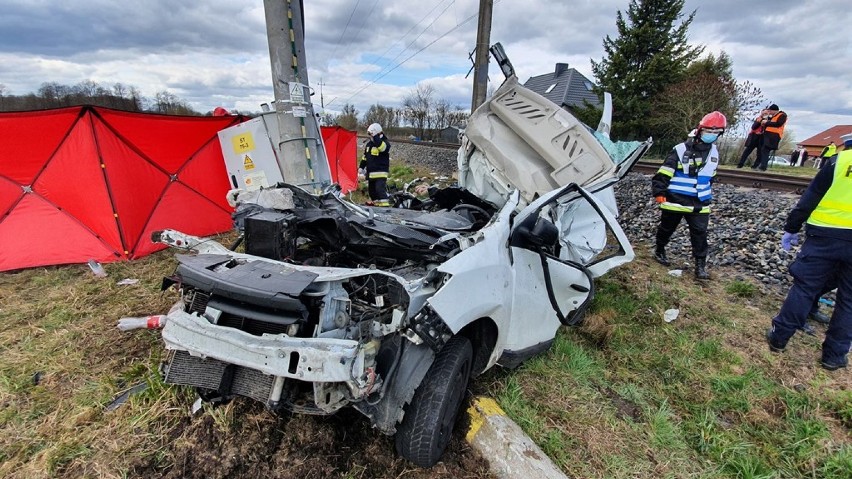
x=376 y=160
x=826 y=255
x=684 y=179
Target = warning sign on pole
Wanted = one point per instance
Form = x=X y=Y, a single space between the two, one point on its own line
x=297 y=94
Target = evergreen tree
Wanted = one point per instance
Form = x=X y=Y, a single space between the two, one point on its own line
x=650 y=53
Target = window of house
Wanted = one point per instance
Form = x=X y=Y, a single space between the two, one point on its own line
x=550 y=88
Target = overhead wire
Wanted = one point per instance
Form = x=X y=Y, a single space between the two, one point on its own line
x=366 y=19
x=374 y=80
x=339 y=40
x=382 y=56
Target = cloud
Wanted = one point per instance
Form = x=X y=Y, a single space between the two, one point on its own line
x=216 y=52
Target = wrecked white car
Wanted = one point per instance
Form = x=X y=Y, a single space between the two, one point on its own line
x=390 y=310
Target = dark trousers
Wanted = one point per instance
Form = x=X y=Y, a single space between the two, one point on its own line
x=697 y=223
x=747 y=151
x=378 y=188
x=820 y=260
x=763 y=154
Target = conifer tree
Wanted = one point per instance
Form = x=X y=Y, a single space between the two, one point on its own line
x=650 y=53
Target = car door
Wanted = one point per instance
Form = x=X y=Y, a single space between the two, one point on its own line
x=558 y=245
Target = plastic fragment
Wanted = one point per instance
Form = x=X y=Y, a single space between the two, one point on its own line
x=127 y=281
x=155 y=321
x=97 y=269
x=670 y=315
x=677 y=273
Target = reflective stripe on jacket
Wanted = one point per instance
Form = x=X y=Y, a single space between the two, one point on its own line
x=835 y=208
x=377 y=157
x=693 y=183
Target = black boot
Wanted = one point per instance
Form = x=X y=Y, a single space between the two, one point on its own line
x=660 y=256
x=700 y=272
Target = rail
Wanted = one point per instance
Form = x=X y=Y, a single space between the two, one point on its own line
x=762 y=180
x=748 y=179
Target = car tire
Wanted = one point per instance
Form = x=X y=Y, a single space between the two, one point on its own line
x=427 y=426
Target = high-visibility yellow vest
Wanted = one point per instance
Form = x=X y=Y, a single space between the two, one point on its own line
x=830 y=150
x=835 y=208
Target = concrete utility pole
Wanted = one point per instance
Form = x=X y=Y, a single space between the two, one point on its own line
x=300 y=153
x=480 y=68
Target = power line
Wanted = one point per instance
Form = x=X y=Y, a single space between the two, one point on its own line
x=403 y=38
x=366 y=19
x=373 y=81
x=381 y=75
x=344 y=28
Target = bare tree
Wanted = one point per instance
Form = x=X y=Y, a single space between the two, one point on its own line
x=442 y=113
x=383 y=115
x=348 y=117
x=417 y=105
x=458 y=117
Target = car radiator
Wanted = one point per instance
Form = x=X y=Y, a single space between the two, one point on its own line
x=187 y=370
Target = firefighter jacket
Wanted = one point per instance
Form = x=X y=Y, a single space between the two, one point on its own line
x=826 y=205
x=685 y=177
x=376 y=157
x=773 y=130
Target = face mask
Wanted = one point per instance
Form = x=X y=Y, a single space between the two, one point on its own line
x=709 y=137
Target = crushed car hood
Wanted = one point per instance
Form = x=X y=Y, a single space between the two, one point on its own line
x=521 y=140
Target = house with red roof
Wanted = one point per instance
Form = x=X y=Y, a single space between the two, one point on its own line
x=816 y=143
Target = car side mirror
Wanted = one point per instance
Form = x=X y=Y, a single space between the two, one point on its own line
x=535 y=231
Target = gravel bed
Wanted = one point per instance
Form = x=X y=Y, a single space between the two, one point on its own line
x=745 y=228
x=440 y=161
x=745 y=224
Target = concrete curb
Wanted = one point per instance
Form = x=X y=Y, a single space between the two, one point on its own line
x=509 y=452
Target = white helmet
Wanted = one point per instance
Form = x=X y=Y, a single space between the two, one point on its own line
x=374 y=129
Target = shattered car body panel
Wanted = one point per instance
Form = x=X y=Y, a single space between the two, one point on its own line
x=335 y=304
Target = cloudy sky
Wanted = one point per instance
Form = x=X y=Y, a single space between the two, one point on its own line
x=215 y=53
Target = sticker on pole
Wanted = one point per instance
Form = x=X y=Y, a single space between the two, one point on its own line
x=297 y=94
x=300 y=112
x=248 y=164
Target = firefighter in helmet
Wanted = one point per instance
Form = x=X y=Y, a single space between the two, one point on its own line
x=376 y=162
x=681 y=188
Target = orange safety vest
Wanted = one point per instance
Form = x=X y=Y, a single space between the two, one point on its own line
x=776 y=129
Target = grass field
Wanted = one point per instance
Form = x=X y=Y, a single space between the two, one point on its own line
x=625 y=395
x=628 y=395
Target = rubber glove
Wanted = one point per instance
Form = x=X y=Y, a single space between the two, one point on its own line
x=789 y=240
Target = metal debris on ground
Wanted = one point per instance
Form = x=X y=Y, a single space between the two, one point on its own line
x=122 y=398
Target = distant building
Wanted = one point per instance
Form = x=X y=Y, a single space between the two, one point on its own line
x=816 y=143
x=565 y=86
x=450 y=134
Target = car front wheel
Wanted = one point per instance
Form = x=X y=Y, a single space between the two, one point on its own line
x=428 y=423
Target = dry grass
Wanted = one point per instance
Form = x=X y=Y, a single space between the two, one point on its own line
x=62 y=361
x=628 y=395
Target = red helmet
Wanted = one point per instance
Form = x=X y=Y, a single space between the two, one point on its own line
x=713 y=120
x=219 y=111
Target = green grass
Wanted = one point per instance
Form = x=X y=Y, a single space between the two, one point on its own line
x=699 y=397
x=740 y=288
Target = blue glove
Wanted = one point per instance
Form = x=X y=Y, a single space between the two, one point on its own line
x=789 y=240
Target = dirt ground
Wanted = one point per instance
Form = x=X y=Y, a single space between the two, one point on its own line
x=242 y=440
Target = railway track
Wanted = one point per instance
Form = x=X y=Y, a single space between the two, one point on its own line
x=748 y=179
x=431 y=144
